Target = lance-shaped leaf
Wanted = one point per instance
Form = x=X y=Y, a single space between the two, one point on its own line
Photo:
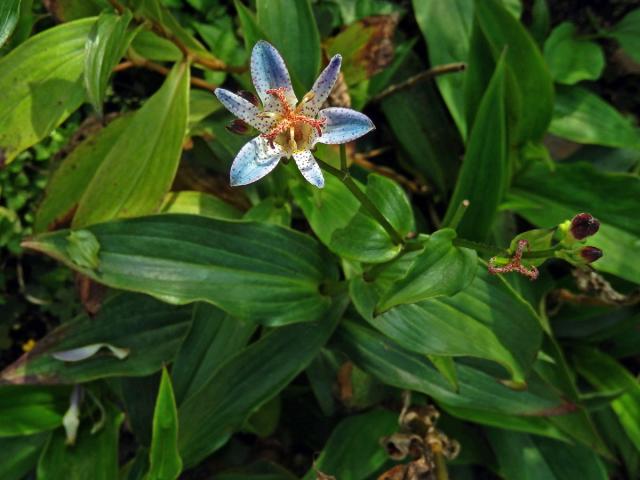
x=139 y=169
x=150 y=330
x=106 y=44
x=439 y=269
x=41 y=85
x=9 y=13
x=164 y=460
x=69 y=181
x=259 y=272
x=248 y=380
x=484 y=175
x=29 y=409
x=486 y=320
x=19 y=455
x=292 y=28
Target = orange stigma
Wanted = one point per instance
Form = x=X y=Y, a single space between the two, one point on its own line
x=292 y=127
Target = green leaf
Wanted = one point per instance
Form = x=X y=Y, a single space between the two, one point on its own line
x=19 y=455
x=68 y=10
x=151 y=330
x=363 y=239
x=479 y=392
x=69 y=181
x=214 y=337
x=94 y=456
x=547 y=198
x=151 y=144
x=532 y=84
x=151 y=46
x=627 y=32
x=27 y=409
x=571 y=59
x=164 y=460
x=265 y=367
x=439 y=269
x=484 y=175
x=584 y=117
x=446 y=27
x=353 y=451
x=83 y=249
x=9 y=14
x=524 y=457
x=423 y=128
x=292 y=28
x=42 y=84
x=259 y=272
x=604 y=373
x=497 y=324
x=199 y=203
x=270 y=210
x=106 y=44
x=251 y=31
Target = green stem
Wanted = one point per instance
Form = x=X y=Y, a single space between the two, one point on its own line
x=348 y=182
x=343 y=158
x=549 y=252
x=441 y=467
x=459 y=213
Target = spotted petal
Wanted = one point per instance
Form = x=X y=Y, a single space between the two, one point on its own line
x=254 y=161
x=309 y=168
x=269 y=71
x=323 y=86
x=244 y=110
x=343 y=125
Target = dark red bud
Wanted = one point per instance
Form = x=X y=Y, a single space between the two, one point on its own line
x=238 y=127
x=584 y=225
x=590 y=254
x=249 y=97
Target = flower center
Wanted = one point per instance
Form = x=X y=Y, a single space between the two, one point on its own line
x=293 y=131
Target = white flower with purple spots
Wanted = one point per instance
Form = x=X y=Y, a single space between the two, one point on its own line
x=288 y=128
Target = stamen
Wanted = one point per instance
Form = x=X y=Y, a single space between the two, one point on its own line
x=515 y=265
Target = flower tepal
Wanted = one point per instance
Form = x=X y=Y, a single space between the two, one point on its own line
x=288 y=128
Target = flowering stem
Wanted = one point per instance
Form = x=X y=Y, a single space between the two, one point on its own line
x=480 y=247
x=345 y=177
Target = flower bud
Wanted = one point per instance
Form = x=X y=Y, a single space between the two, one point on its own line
x=584 y=225
x=590 y=254
x=238 y=127
x=249 y=97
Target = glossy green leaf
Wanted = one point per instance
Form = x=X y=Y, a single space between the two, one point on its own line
x=19 y=455
x=164 y=460
x=583 y=117
x=547 y=198
x=137 y=186
x=293 y=30
x=27 y=409
x=270 y=210
x=83 y=249
x=627 y=32
x=604 y=373
x=353 y=451
x=479 y=392
x=95 y=455
x=532 y=84
x=250 y=270
x=106 y=44
x=69 y=181
x=439 y=269
x=484 y=175
x=9 y=14
x=199 y=203
x=497 y=324
x=265 y=367
x=214 y=337
x=251 y=31
x=42 y=84
x=446 y=27
x=423 y=128
x=152 y=331
x=69 y=10
x=571 y=59
x=151 y=46
x=363 y=239
x=524 y=457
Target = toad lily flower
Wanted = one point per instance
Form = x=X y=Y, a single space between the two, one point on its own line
x=288 y=128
